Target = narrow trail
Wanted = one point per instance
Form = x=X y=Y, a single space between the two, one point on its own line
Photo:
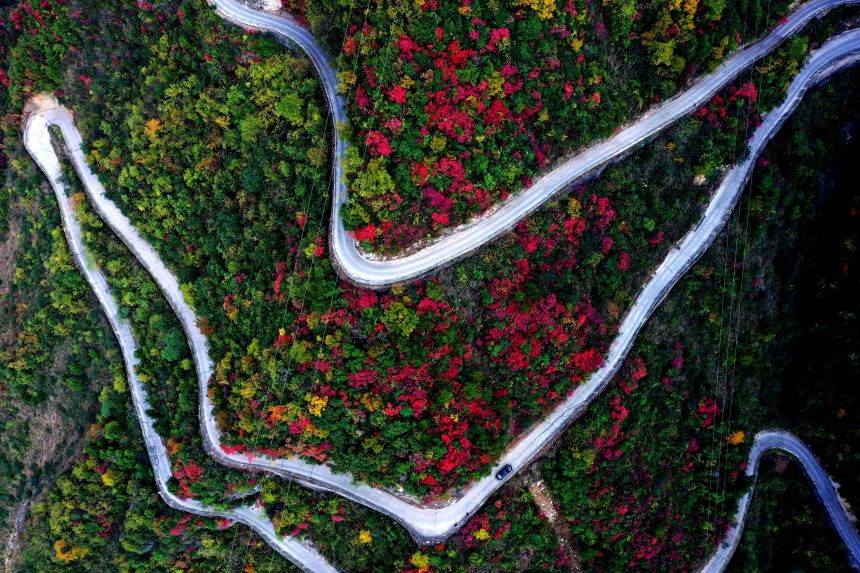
x=11 y=546
x=427 y=525
x=543 y=499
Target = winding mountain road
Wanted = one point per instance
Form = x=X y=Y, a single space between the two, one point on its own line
x=38 y=143
x=826 y=490
x=427 y=525
x=381 y=273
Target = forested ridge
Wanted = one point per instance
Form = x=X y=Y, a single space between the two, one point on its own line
x=626 y=473
x=457 y=105
x=213 y=142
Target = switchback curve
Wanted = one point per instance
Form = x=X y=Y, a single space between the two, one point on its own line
x=432 y=525
x=825 y=488
x=38 y=144
x=304 y=555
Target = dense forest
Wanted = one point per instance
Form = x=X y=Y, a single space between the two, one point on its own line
x=55 y=351
x=346 y=533
x=456 y=105
x=761 y=333
x=814 y=393
x=214 y=142
x=420 y=387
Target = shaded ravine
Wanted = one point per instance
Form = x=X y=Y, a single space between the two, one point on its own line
x=431 y=525
x=376 y=272
x=826 y=490
x=38 y=144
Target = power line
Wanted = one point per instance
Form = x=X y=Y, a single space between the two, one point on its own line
x=720 y=490
x=298 y=250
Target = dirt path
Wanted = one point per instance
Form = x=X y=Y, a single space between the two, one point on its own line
x=543 y=499
x=8 y=250
x=11 y=550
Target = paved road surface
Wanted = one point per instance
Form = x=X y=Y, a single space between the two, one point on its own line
x=840 y=517
x=38 y=142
